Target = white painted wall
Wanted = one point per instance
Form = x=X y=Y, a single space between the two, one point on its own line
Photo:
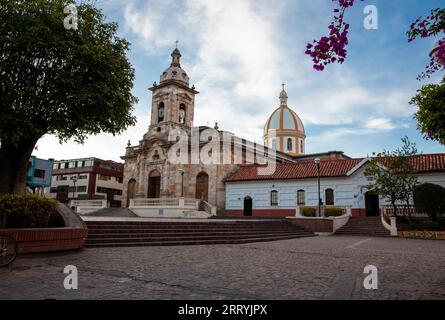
x=348 y=191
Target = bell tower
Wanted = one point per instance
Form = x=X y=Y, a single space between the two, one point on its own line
x=173 y=101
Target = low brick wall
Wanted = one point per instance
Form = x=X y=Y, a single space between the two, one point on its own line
x=34 y=240
x=47 y=240
x=427 y=235
x=314 y=225
x=263 y=213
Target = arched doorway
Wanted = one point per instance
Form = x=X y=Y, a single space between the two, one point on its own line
x=248 y=204
x=154 y=184
x=131 y=191
x=202 y=186
x=372 y=204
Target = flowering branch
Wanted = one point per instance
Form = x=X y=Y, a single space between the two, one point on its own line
x=431 y=26
x=332 y=48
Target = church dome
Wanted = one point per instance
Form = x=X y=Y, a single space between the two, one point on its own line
x=284 y=130
x=175 y=72
x=284 y=118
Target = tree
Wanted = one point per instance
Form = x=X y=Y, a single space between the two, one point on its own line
x=393 y=174
x=53 y=80
x=430 y=199
x=430 y=115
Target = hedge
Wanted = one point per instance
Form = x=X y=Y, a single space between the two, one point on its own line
x=308 y=211
x=333 y=212
x=28 y=211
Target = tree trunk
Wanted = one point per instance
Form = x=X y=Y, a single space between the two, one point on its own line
x=394 y=206
x=14 y=159
x=408 y=206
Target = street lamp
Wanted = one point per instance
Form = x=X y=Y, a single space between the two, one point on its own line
x=181 y=172
x=74 y=179
x=317 y=162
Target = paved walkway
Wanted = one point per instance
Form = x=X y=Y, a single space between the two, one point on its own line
x=308 y=268
x=138 y=219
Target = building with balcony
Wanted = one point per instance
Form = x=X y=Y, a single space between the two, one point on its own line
x=86 y=179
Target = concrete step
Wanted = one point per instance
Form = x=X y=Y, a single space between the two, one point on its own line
x=119 y=233
x=198 y=242
x=188 y=238
x=364 y=226
x=180 y=234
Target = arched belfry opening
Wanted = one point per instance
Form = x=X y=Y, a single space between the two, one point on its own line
x=161 y=112
x=182 y=113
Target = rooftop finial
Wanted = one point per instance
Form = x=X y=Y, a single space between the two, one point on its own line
x=176 y=44
x=283 y=95
x=176 y=56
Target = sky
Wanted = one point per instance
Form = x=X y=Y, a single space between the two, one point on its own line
x=238 y=52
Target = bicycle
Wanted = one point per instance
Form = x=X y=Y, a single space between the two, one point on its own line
x=8 y=250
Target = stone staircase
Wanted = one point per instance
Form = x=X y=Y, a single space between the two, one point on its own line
x=364 y=226
x=174 y=233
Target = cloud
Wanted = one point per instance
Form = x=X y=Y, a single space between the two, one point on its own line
x=237 y=53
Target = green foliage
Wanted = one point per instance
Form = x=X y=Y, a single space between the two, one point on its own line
x=28 y=211
x=392 y=175
x=430 y=115
x=430 y=199
x=308 y=211
x=333 y=212
x=71 y=83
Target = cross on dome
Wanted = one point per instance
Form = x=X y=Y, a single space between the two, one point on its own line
x=283 y=96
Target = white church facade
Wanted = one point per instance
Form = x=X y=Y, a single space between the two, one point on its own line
x=342 y=184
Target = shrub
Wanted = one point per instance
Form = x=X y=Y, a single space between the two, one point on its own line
x=308 y=211
x=27 y=211
x=333 y=212
x=430 y=199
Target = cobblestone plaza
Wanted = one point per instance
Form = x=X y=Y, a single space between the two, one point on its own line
x=307 y=268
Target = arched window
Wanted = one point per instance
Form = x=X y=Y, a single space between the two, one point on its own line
x=274 y=198
x=156 y=155
x=329 y=194
x=301 y=146
x=161 y=111
x=290 y=144
x=301 y=197
x=182 y=113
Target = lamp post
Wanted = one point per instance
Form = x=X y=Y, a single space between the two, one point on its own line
x=181 y=172
x=317 y=162
x=74 y=179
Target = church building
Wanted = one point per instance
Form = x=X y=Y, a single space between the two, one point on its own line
x=176 y=160
x=157 y=168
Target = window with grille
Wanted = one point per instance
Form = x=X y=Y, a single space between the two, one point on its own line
x=274 y=198
x=301 y=197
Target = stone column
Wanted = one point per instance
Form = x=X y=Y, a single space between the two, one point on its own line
x=141 y=179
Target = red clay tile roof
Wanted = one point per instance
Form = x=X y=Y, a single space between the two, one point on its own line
x=328 y=168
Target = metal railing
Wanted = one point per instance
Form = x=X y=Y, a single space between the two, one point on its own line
x=402 y=210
